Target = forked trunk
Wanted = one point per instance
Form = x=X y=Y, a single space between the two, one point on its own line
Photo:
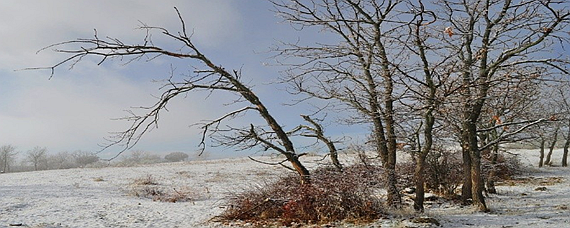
x=300 y=168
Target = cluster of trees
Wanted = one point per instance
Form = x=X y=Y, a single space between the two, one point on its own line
x=38 y=158
x=472 y=73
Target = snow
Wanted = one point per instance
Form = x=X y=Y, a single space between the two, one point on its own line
x=523 y=204
x=101 y=197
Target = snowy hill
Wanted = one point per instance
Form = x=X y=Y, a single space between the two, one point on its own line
x=106 y=197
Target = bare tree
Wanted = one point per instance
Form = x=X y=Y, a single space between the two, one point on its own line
x=564 y=161
x=38 y=157
x=562 y=100
x=355 y=70
x=426 y=81
x=508 y=117
x=84 y=158
x=208 y=76
x=61 y=160
x=491 y=39
x=7 y=154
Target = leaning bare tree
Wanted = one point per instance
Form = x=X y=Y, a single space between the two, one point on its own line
x=315 y=130
x=490 y=39
x=208 y=76
x=355 y=70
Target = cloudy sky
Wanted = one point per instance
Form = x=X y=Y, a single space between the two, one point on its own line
x=74 y=109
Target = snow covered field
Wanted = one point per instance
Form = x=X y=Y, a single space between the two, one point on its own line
x=102 y=197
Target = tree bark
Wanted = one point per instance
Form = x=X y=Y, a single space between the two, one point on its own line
x=491 y=178
x=565 y=154
x=466 y=187
x=541 y=160
x=566 y=146
x=420 y=182
x=548 y=160
x=477 y=183
x=476 y=179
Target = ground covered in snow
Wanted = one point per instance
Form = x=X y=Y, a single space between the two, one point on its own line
x=107 y=197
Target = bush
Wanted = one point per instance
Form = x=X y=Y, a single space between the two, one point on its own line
x=138 y=157
x=148 y=187
x=443 y=172
x=331 y=196
x=505 y=167
x=84 y=158
x=176 y=157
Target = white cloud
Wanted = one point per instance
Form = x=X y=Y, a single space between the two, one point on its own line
x=29 y=25
x=73 y=110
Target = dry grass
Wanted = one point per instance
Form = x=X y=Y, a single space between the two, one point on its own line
x=532 y=181
x=149 y=187
x=444 y=171
x=147 y=180
x=98 y=179
x=332 y=196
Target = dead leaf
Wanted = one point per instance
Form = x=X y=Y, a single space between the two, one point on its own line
x=449 y=31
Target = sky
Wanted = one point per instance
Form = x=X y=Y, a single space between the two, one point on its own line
x=76 y=108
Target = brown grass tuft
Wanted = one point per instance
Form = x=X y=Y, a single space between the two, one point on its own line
x=148 y=187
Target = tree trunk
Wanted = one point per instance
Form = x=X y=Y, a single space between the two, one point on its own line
x=477 y=182
x=299 y=167
x=476 y=179
x=466 y=188
x=394 y=198
x=387 y=150
x=335 y=161
x=566 y=145
x=548 y=157
x=541 y=160
x=332 y=152
x=565 y=155
x=317 y=129
x=421 y=158
x=548 y=160
x=491 y=178
x=420 y=180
